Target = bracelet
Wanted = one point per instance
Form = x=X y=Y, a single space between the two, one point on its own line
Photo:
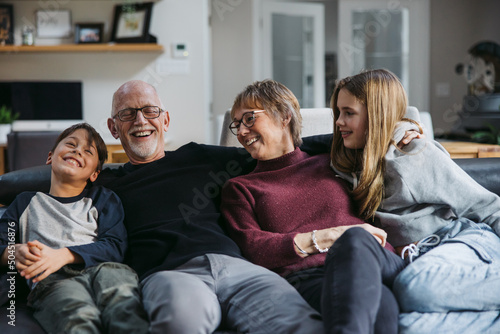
x=300 y=249
x=315 y=243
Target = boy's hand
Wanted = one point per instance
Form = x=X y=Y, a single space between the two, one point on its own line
x=51 y=260
x=25 y=257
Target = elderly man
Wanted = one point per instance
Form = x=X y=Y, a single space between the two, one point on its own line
x=194 y=279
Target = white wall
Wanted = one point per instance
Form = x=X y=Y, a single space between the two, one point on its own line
x=231 y=21
x=186 y=96
x=455 y=26
x=237 y=40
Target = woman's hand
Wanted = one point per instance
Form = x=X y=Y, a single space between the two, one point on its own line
x=326 y=237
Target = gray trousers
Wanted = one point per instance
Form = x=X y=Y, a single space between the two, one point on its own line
x=99 y=299
x=218 y=291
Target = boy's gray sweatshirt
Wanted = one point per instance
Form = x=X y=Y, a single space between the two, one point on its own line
x=424 y=190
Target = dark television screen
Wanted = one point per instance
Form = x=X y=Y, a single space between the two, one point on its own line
x=42 y=100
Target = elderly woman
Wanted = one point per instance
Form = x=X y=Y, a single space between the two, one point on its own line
x=291 y=209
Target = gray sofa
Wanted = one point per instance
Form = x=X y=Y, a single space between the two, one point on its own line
x=485 y=171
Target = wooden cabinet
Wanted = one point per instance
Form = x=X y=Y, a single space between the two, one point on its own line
x=463 y=150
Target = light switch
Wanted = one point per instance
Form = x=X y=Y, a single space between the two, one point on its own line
x=180 y=50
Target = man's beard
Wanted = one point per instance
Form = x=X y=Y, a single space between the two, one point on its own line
x=144 y=150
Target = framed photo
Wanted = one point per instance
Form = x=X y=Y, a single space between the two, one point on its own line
x=6 y=24
x=88 y=32
x=131 y=23
x=53 y=23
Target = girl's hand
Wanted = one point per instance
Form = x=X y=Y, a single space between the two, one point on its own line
x=409 y=136
x=379 y=234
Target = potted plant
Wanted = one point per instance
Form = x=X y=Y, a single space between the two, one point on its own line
x=6 y=119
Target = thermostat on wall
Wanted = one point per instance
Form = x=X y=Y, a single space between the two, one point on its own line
x=180 y=50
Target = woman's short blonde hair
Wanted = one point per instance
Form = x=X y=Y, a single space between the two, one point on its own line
x=277 y=100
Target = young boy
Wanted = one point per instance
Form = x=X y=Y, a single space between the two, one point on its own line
x=66 y=242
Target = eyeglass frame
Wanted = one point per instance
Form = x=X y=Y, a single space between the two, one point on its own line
x=231 y=127
x=137 y=110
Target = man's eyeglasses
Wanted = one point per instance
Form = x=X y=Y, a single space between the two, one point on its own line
x=248 y=120
x=130 y=114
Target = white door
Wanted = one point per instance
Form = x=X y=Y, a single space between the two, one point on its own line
x=293 y=46
x=387 y=34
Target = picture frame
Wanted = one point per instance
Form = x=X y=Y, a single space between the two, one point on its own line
x=131 y=23
x=6 y=24
x=86 y=33
x=53 y=23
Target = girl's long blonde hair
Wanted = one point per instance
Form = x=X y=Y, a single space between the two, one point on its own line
x=384 y=97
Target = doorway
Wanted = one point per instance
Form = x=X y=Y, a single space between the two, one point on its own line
x=387 y=34
x=293 y=49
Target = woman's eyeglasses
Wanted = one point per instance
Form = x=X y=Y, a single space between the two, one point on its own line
x=248 y=120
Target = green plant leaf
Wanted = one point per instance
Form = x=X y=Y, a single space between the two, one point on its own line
x=6 y=116
x=484 y=137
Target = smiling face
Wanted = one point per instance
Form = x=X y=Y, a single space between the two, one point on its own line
x=142 y=139
x=75 y=159
x=352 y=121
x=267 y=138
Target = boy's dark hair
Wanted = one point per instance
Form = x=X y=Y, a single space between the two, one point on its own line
x=93 y=136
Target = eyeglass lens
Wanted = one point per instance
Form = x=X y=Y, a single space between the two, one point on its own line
x=131 y=113
x=248 y=119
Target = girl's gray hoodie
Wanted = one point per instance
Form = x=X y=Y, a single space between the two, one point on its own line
x=424 y=190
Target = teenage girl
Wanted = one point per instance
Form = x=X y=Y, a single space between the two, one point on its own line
x=443 y=222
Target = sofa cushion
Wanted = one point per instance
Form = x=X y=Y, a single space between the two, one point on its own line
x=485 y=171
x=28 y=179
x=24 y=321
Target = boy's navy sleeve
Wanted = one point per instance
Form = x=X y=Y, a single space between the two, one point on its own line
x=9 y=222
x=9 y=233
x=111 y=242
x=8 y=226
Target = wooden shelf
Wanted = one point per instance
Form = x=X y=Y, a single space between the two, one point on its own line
x=136 y=47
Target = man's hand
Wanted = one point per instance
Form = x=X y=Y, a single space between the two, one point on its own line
x=50 y=261
x=409 y=136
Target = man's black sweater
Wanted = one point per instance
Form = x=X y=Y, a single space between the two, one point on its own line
x=172 y=205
